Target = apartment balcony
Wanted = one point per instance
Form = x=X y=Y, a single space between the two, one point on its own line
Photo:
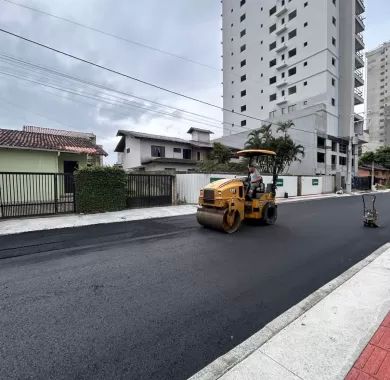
x=359 y=42
x=359 y=81
x=281 y=48
x=281 y=66
x=359 y=24
x=360 y=7
x=358 y=98
x=281 y=101
x=359 y=60
x=281 y=84
x=358 y=124
x=283 y=10
x=281 y=30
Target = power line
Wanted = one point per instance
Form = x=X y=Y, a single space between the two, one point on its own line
x=79 y=24
x=56 y=72
x=139 y=80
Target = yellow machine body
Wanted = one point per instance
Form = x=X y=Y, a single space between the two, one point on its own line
x=224 y=204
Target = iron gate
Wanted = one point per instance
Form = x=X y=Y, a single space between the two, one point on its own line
x=33 y=194
x=147 y=190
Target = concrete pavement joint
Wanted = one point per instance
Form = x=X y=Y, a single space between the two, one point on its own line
x=223 y=364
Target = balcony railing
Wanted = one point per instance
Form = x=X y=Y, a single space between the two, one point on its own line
x=361 y=19
x=359 y=36
x=359 y=92
x=359 y=74
x=360 y=55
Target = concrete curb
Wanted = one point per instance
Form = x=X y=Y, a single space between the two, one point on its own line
x=223 y=364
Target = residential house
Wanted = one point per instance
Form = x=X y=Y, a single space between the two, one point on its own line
x=381 y=174
x=147 y=152
x=44 y=150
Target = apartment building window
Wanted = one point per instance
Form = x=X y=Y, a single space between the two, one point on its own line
x=176 y=150
x=333 y=82
x=305 y=24
x=272 y=80
x=321 y=142
x=272 y=10
x=242 y=48
x=334 y=20
x=187 y=154
x=292 y=34
x=305 y=44
x=262 y=107
x=292 y=108
x=333 y=101
x=243 y=63
x=272 y=46
x=243 y=93
x=243 y=123
x=333 y=41
x=242 y=33
x=343 y=148
x=283 y=21
x=243 y=17
x=305 y=4
x=272 y=97
x=343 y=161
x=334 y=147
x=320 y=157
x=292 y=52
x=242 y=2
x=292 y=15
x=305 y=64
x=158 y=151
x=272 y=114
x=243 y=78
x=282 y=39
x=305 y=83
x=292 y=90
x=283 y=92
x=334 y=2
x=243 y=108
x=334 y=61
x=292 y=71
x=272 y=28
x=128 y=150
x=272 y=63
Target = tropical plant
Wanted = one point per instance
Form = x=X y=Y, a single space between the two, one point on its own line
x=220 y=154
x=282 y=144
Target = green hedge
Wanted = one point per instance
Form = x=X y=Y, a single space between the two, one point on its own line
x=100 y=189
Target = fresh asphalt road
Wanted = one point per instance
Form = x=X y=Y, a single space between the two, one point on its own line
x=160 y=299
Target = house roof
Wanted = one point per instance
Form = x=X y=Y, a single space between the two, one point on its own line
x=200 y=130
x=376 y=167
x=147 y=136
x=45 y=141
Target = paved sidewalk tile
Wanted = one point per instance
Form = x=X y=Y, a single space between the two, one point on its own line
x=374 y=361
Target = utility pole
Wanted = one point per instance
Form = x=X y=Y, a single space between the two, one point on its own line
x=372 y=175
x=349 y=167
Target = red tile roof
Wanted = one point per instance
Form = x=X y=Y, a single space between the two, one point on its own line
x=44 y=141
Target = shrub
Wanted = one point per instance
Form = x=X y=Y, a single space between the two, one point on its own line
x=100 y=189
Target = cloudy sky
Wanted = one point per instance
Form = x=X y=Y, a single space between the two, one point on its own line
x=188 y=28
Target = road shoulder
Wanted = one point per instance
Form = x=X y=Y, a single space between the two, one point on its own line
x=322 y=336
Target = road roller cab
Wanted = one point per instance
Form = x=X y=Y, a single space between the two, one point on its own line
x=225 y=203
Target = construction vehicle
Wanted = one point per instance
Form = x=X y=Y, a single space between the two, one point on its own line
x=370 y=214
x=225 y=204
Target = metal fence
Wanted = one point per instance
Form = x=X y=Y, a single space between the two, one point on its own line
x=33 y=194
x=147 y=190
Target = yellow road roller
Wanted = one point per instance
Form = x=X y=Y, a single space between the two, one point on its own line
x=225 y=203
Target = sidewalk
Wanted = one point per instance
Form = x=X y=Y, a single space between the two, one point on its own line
x=322 y=336
x=19 y=225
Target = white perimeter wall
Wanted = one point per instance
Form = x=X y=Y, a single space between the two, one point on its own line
x=189 y=185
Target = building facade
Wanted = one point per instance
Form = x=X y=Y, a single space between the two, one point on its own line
x=378 y=96
x=147 y=152
x=282 y=58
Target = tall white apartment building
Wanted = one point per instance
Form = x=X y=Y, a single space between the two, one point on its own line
x=378 y=96
x=298 y=60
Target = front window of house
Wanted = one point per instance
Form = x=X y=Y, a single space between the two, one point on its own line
x=158 y=151
x=187 y=154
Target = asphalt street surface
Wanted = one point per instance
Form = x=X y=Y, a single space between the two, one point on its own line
x=160 y=299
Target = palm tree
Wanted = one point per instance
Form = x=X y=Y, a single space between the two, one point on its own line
x=285 y=126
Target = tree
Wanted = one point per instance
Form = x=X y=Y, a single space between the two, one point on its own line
x=220 y=154
x=286 y=150
x=380 y=157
